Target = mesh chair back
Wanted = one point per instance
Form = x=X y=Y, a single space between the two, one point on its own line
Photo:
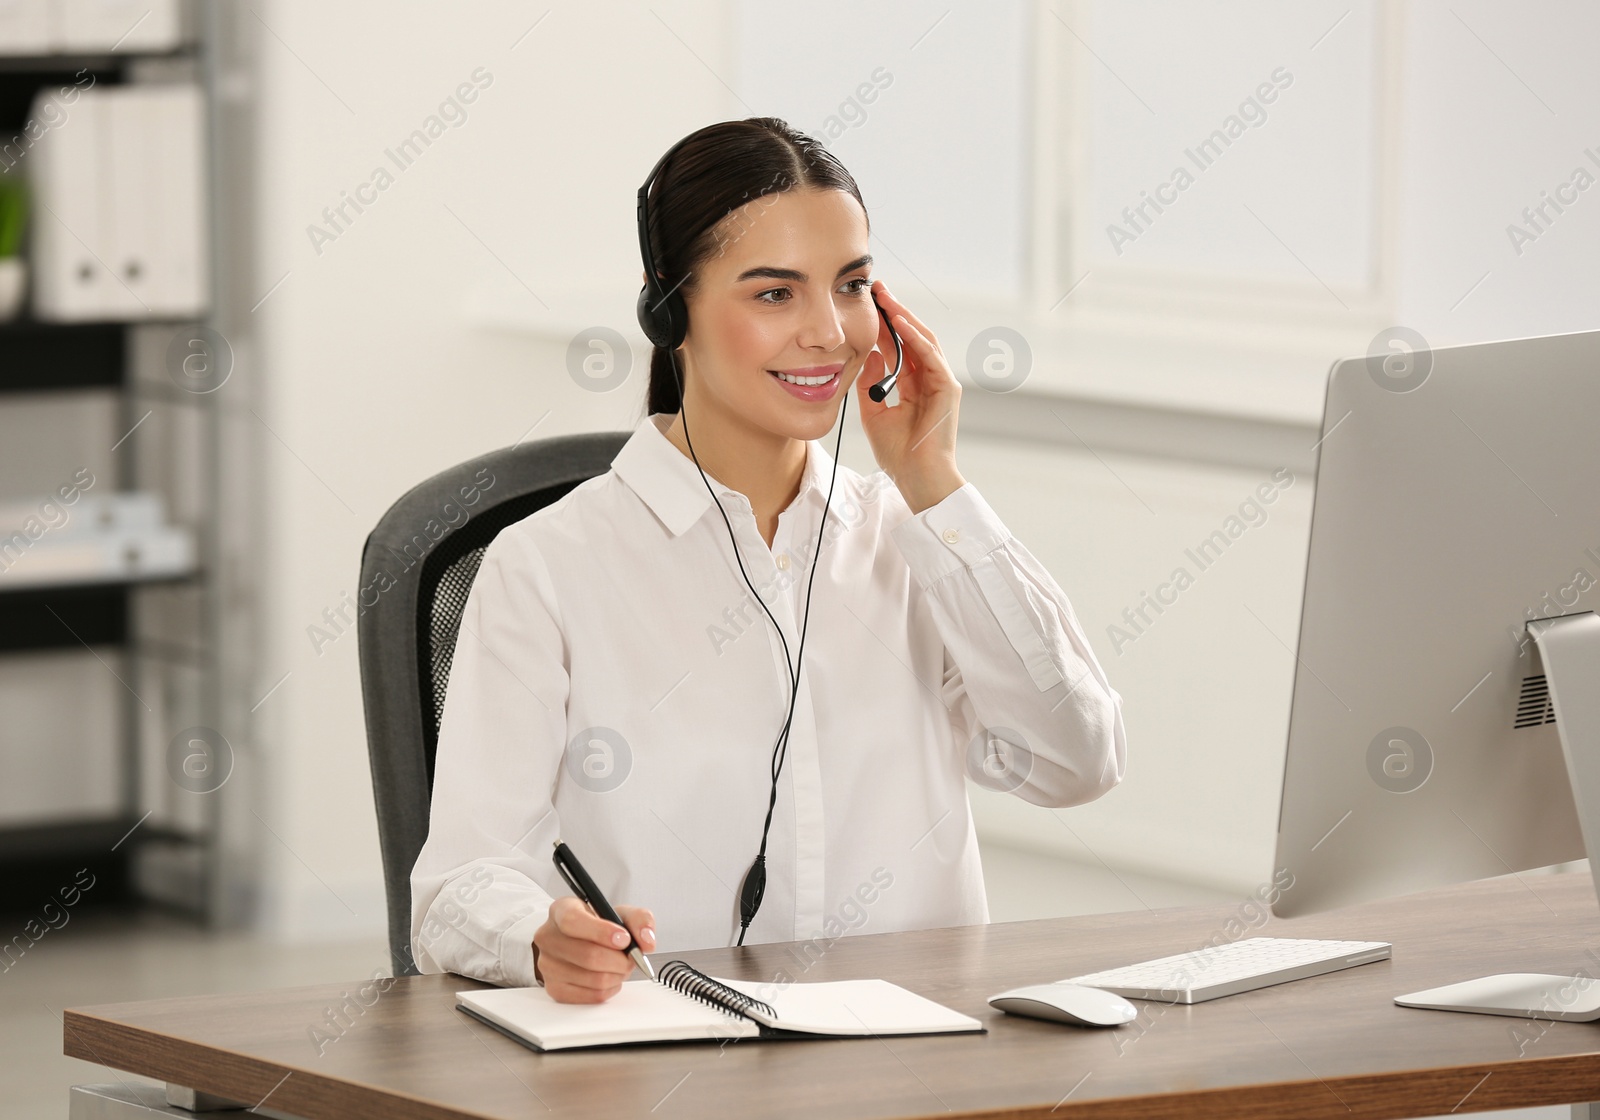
x=416 y=571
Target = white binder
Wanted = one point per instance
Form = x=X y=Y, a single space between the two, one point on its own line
x=25 y=27
x=100 y=558
x=119 y=511
x=126 y=25
x=121 y=222
x=65 y=26
x=132 y=194
x=101 y=538
x=174 y=193
x=69 y=243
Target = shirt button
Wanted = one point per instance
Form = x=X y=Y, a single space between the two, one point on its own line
x=783 y=561
x=951 y=536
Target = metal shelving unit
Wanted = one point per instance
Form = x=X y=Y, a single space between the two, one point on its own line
x=158 y=635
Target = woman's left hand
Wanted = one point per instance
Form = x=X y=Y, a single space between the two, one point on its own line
x=915 y=440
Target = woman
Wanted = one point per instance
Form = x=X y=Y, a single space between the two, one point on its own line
x=618 y=685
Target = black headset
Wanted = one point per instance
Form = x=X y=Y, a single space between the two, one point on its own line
x=664 y=318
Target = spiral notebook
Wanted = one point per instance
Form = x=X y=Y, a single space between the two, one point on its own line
x=685 y=1004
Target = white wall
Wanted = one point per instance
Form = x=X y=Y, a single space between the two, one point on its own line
x=1205 y=681
x=937 y=140
x=1501 y=105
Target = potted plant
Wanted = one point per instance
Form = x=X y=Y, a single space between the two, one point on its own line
x=13 y=268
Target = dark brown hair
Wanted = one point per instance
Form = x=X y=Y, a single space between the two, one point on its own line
x=717 y=170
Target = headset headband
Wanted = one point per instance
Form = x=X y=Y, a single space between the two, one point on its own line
x=641 y=211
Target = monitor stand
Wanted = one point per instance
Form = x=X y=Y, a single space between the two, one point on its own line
x=1570 y=649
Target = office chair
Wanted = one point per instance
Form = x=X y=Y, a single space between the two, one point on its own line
x=416 y=570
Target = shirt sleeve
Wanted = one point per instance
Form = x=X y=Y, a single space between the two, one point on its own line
x=1028 y=700
x=483 y=881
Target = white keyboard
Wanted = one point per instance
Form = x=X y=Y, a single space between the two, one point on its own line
x=1239 y=966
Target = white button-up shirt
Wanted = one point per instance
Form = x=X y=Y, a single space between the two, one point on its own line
x=616 y=686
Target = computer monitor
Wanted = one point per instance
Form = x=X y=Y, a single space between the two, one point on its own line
x=1457 y=506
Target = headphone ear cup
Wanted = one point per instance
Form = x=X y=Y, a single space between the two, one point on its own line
x=665 y=322
x=647 y=317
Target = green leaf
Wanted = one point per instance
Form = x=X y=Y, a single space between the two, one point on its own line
x=13 y=215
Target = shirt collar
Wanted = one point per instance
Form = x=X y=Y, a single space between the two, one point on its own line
x=668 y=482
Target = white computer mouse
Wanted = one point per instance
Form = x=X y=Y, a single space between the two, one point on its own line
x=1067 y=1003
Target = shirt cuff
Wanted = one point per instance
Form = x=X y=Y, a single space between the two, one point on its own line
x=956 y=533
x=516 y=949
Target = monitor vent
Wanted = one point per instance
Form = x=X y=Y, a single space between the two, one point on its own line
x=1534 y=708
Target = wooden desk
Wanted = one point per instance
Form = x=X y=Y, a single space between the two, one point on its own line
x=1333 y=1046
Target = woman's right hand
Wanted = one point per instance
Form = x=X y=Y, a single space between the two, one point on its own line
x=578 y=956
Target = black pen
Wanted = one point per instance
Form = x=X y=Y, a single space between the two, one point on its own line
x=584 y=887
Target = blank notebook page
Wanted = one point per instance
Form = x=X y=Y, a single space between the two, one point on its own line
x=855 y=1007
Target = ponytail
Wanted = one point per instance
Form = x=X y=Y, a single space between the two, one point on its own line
x=663 y=395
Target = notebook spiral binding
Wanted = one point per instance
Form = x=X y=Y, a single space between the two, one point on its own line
x=689 y=981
